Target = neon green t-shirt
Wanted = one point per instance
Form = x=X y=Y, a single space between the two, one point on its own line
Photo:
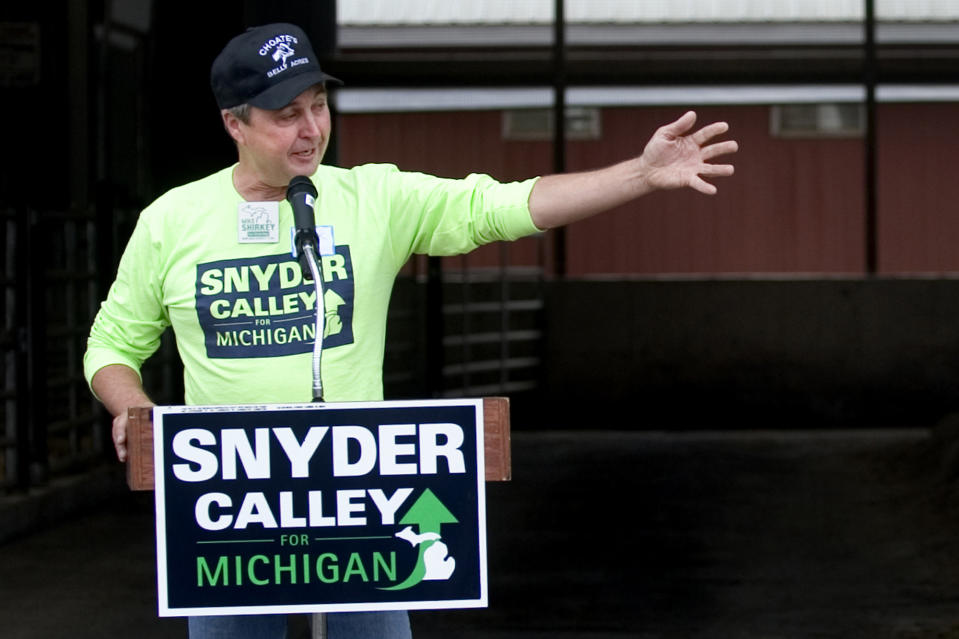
x=219 y=270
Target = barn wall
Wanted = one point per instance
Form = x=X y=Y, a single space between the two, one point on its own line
x=794 y=205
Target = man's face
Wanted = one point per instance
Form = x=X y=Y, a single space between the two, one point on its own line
x=279 y=145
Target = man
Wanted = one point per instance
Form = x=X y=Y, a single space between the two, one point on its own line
x=207 y=258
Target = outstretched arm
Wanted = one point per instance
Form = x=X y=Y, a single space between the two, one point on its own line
x=673 y=158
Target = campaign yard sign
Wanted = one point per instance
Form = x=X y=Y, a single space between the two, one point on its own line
x=320 y=507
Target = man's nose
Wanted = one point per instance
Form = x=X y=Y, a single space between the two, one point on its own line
x=310 y=126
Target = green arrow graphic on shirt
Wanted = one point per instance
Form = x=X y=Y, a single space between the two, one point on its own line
x=427 y=513
x=332 y=303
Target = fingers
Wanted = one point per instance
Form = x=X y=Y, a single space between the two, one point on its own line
x=716 y=170
x=708 y=132
x=709 y=170
x=720 y=148
x=120 y=436
x=702 y=186
x=685 y=123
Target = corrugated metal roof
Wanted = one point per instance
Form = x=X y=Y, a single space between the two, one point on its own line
x=519 y=12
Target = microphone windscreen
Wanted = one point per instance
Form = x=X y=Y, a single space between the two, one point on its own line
x=301 y=194
x=300 y=184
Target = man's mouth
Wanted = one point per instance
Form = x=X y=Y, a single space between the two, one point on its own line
x=305 y=154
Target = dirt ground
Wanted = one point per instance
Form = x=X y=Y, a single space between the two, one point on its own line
x=736 y=534
x=720 y=534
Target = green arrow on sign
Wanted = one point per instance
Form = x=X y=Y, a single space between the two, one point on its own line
x=429 y=514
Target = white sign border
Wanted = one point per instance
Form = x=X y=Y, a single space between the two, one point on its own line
x=164 y=608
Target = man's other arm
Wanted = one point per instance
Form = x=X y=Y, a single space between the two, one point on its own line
x=119 y=388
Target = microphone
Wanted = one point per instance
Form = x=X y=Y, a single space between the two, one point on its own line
x=301 y=194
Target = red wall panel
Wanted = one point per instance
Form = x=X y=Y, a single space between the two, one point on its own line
x=918 y=221
x=792 y=206
x=795 y=206
x=448 y=144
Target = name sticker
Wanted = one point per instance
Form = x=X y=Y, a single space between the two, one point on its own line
x=327 y=245
x=258 y=223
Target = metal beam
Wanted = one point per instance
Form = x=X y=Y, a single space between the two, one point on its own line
x=647 y=66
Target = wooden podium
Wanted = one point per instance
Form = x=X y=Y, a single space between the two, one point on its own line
x=496 y=437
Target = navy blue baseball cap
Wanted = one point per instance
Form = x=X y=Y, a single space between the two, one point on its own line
x=266 y=67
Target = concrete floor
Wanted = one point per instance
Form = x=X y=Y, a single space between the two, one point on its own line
x=778 y=534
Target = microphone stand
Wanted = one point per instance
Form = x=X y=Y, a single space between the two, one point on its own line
x=306 y=247
x=301 y=194
x=307 y=253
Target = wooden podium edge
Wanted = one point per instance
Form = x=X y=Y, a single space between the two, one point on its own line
x=496 y=436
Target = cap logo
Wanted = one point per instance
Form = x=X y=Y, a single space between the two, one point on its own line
x=282 y=48
x=285 y=40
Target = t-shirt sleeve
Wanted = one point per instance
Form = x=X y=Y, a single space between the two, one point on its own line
x=439 y=216
x=130 y=322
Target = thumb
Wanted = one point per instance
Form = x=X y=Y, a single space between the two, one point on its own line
x=681 y=126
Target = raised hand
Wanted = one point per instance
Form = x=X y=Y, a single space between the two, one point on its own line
x=675 y=158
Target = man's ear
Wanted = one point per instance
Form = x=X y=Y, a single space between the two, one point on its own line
x=233 y=126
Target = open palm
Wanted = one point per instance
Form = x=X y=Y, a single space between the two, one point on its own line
x=675 y=158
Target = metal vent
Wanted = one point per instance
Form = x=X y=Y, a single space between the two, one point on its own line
x=817 y=120
x=582 y=123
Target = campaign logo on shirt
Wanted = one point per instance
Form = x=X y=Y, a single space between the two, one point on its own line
x=262 y=306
